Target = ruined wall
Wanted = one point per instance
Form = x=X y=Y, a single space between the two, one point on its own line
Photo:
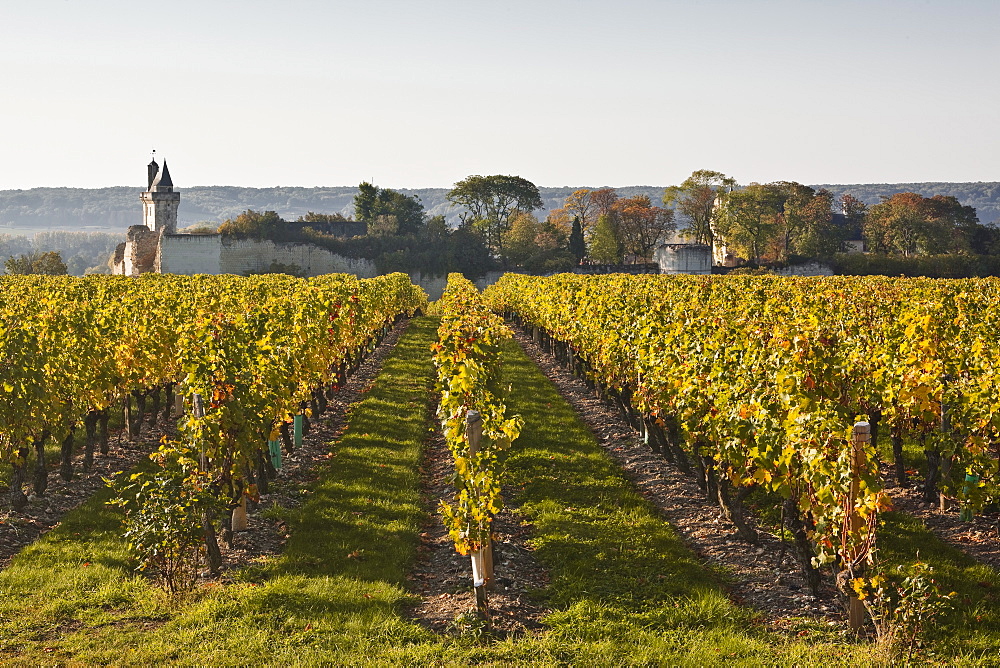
x=140 y=250
x=807 y=269
x=245 y=256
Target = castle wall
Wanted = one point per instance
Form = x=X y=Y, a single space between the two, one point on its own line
x=215 y=254
x=190 y=254
x=245 y=256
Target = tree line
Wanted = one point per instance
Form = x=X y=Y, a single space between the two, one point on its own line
x=757 y=224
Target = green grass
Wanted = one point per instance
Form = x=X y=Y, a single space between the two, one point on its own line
x=624 y=589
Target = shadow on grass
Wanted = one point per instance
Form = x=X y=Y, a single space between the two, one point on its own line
x=615 y=564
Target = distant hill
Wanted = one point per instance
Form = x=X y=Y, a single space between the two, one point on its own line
x=114 y=209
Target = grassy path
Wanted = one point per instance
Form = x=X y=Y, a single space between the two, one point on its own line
x=625 y=591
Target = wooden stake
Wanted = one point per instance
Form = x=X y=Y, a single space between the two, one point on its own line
x=862 y=436
x=297 y=427
x=482 y=559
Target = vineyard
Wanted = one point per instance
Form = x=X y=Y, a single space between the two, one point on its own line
x=795 y=405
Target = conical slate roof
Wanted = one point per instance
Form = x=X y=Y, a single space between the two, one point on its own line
x=163 y=178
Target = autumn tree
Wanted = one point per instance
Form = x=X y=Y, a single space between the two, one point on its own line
x=580 y=206
x=489 y=202
x=695 y=202
x=641 y=226
x=560 y=218
x=49 y=263
x=603 y=201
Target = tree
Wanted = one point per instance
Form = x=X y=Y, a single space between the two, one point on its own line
x=749 y=219
x=605 y=247
x=49 y=263
x=311 y=217
x=250 y=223
x=603 y=201
x=695 y=200
x=909 y=224
x=577 y=244
x=519 y=239
x=374 y=206
x=491 y=201
x=641 y=226
x=804 y=222
x=560 y=219
x=580 y=206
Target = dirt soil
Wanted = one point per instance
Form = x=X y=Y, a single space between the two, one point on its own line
x=43 y=513
x=979 y=538
x=443 y=577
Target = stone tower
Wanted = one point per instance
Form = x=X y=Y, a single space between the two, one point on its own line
x=160 y=202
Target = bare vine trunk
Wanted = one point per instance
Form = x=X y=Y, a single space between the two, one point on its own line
x=19 y=474
x=41 y=470
x=90 y=425
x=66 y=465
x=803 y=547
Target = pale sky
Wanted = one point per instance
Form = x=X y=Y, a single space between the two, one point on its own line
x=413 y=94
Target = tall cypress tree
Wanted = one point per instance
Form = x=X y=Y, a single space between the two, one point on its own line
x=577 y=246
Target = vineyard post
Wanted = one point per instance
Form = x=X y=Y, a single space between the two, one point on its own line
x=297 y=428
x=482 y=559
x=178 y=405
x=862 y=435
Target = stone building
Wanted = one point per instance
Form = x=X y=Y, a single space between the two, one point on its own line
x=683 y=258
x=155 y=246
x=138 y=255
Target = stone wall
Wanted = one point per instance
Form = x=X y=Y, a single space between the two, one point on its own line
x=190 y=254
x=216 y=254
x=807 y=269
x=140 y=250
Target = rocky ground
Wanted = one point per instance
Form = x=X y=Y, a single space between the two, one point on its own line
x=43 y=513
